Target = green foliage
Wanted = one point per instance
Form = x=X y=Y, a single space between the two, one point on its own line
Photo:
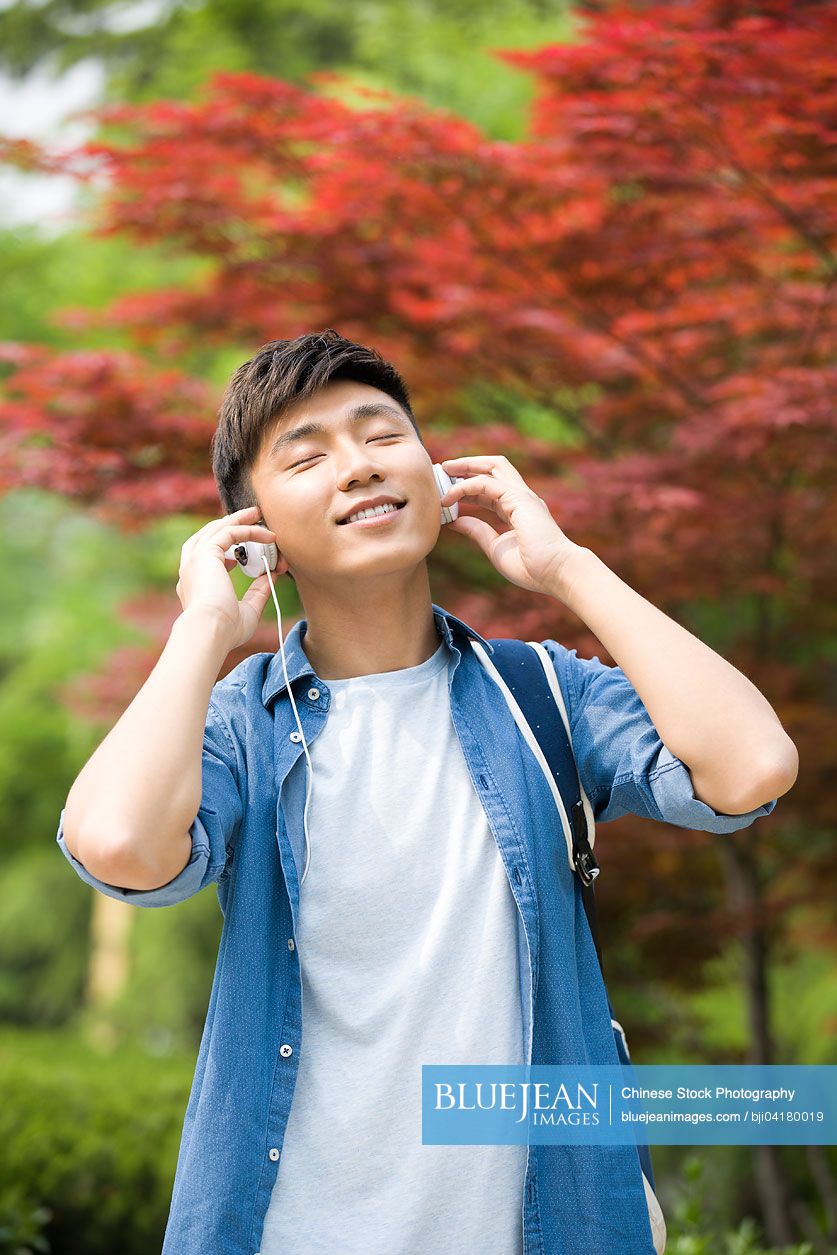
x=44 y=920
x=742 y=1241
x=708 y=1023
x=398 y=49
x=92 y=1139
x=805 y=1006
x=557 y=418
x=438 y=49
x=40 y=277
x=688 y=1232
x=22 y=1223
x=57 y=620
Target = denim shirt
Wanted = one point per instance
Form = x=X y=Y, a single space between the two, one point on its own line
x=247 y=839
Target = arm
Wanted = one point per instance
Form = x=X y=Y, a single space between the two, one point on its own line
x=129 y=812
x=707 y=713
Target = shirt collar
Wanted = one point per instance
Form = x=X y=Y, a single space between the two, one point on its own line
x=298 y=664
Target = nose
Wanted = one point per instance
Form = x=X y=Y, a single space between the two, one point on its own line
x=356 y=463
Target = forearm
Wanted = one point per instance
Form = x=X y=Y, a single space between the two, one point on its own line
x=139 y=793
x=707 y=713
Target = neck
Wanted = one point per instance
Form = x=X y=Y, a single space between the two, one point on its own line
x=369 y=626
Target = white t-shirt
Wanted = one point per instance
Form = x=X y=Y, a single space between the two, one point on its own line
x=407 y=942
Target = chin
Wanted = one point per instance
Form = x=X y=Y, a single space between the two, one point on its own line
x=379 y=564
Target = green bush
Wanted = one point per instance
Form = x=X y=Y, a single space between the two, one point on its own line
x=89 y=1145
x=44 y=927
x=743 y=1241
x=89 y=1150
x=21 y=1224
x=690 y=1230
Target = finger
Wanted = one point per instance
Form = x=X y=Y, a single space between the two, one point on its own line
x=225 y=540
x=220 y=548
x=258 y=592
x=238 y=516
x=250 y=515
x=238 y=532
x=481 y=490
x=479 y=531
x=247 y=515
x=483 y=462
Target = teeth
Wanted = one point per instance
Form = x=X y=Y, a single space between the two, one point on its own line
x=367 y=514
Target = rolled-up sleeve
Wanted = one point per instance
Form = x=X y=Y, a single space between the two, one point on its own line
x=213 y=831
x=623 y=764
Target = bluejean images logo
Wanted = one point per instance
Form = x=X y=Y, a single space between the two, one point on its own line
x=680 y=1104
x=547 y=1104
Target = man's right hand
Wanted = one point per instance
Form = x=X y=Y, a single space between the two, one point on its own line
x=204 y=584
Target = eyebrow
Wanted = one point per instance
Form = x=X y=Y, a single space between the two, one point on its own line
x=357 y=414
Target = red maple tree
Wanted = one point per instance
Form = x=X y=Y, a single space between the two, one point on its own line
x=652 y=266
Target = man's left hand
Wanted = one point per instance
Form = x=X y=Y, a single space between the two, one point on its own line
x=532 y=552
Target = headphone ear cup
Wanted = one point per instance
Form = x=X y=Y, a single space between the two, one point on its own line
x=249 y=557
x=443 y=483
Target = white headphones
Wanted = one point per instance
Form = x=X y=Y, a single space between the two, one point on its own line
x=253 y=557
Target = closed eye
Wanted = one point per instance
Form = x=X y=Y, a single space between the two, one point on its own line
x=392 y=436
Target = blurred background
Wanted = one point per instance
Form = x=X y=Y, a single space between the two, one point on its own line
x=598 y=238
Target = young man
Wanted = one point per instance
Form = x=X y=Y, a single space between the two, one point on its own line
x=427 y=920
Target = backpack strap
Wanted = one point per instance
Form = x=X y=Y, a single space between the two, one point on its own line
x=524 y=673
x=526 y=678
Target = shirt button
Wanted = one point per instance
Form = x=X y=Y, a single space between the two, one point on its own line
x=273 y=1153
x=296 y=736
x=286 y=1050
x=313 y=694
x=291 y=945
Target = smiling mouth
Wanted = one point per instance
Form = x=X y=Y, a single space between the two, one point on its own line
x=371 y=518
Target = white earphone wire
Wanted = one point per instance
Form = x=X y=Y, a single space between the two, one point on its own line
x=298 y=724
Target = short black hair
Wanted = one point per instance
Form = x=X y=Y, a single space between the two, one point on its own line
x=280 y=373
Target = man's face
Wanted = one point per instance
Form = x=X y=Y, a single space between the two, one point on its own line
x=307 y=481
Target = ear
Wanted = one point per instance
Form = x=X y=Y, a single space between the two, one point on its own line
x=281 y=567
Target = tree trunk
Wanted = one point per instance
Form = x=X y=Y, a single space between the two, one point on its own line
x=821 y=1172
x=107 y=973
x=745 y=901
